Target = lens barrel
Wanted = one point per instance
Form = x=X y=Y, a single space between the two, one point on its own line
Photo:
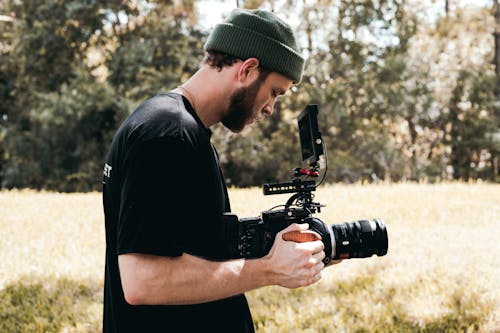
x=360 y=239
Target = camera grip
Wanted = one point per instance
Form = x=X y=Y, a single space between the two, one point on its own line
x=301 y=236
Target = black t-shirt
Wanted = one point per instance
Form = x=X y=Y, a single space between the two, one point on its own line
x=163 y=194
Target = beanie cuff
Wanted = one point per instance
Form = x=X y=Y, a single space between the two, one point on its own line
x=243 y=43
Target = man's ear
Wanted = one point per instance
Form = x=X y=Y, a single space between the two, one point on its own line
x=249 y=70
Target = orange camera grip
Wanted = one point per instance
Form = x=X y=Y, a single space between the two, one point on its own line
x=301 y=236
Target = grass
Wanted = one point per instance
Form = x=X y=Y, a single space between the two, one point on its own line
x=441 y=274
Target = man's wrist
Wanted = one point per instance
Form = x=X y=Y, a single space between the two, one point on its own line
x=260 y=271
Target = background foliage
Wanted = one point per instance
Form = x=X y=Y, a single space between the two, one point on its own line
x=403 y=94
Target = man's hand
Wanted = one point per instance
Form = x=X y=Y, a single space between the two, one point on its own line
x=296 y=264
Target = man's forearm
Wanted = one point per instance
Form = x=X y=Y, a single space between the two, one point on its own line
x=149 y=279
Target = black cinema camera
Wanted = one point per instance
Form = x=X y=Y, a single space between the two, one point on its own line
x=253 y=237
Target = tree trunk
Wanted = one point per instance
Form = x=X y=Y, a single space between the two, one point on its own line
x=414 y=174
x=308 y=27
x=496 y=61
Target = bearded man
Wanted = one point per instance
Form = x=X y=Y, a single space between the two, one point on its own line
x=164 y=193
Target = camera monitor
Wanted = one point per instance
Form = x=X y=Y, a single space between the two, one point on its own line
x=311 y=142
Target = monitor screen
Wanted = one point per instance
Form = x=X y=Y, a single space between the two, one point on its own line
x=310 y=138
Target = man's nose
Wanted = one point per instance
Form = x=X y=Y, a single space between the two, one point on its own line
x=269 y=108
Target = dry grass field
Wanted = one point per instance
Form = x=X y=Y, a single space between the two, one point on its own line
x=441 y=274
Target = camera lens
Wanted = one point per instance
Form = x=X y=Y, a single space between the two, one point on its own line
x=360 y=239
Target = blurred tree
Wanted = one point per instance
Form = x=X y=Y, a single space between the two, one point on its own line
x=401 y=96
x=472 y=126
x=357 y=73
x=465 y=119
x=56 y=107
x=7 y=72
x=69 y=132
x=160 y=47
x=71 y=71
x=495 y=165
x=356 y=48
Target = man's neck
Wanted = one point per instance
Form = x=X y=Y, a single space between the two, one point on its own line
x=208 y=91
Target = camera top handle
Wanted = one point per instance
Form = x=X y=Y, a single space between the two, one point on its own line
x=303 y=193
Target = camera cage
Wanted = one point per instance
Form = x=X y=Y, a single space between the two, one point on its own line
x=313 y=151
x=254 y=237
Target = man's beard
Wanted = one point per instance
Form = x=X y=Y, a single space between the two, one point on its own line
x=240 y=109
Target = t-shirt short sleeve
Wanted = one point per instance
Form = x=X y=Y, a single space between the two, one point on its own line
x=150 y=218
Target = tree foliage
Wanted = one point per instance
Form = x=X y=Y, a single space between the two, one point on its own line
x=400 y=97
x=71 y=72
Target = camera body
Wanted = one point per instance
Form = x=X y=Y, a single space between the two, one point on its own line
x=253 y=237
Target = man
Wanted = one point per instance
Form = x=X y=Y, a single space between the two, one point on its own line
x=164 y=194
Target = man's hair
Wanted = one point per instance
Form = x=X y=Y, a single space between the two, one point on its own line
x=219 y=60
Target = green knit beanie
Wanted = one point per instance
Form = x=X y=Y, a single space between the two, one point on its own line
x=257 y=33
